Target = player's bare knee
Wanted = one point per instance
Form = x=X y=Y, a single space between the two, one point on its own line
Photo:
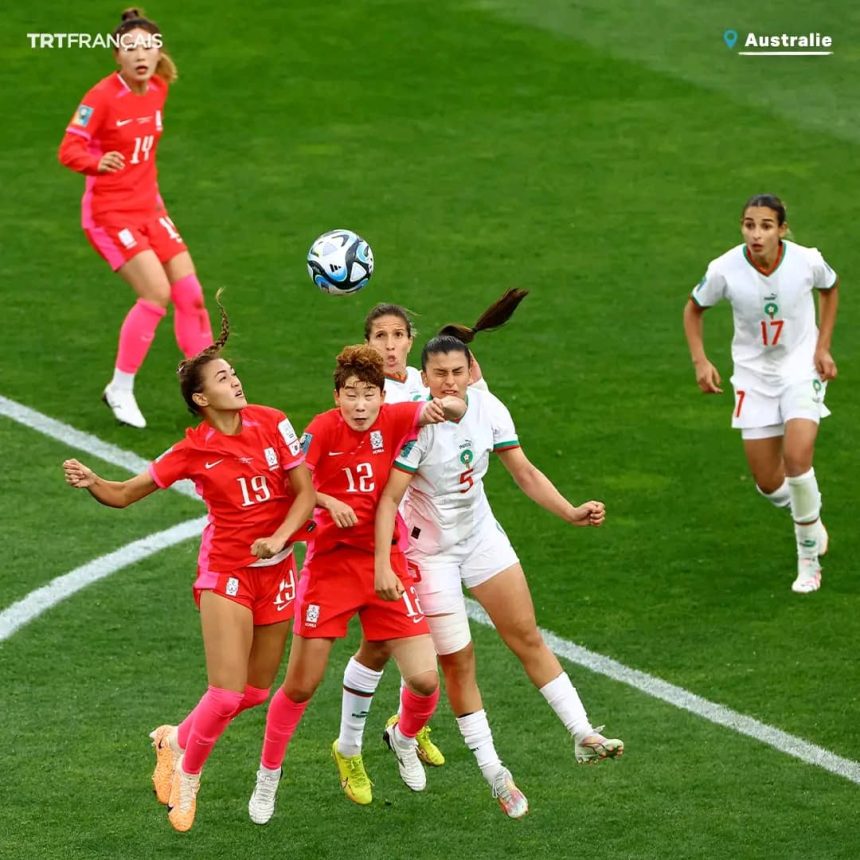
x=460 y=664
x=798 y=460
x=423 y=683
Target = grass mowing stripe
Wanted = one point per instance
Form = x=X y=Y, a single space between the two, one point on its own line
x=36 y=602
x=43 y=598
x=687 y=701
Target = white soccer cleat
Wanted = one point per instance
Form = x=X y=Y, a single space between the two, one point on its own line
x=124 y=407
x=511 y=799
x=594 y=747
x=406 y=752
x=808 y=576
x=261 y=806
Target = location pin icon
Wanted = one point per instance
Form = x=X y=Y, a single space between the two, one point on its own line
x=730 y=37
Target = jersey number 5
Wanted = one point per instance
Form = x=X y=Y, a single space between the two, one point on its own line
x=467 y=480
x=772 y=328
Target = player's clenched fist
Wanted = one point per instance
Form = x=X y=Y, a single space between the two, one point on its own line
x=78 y=475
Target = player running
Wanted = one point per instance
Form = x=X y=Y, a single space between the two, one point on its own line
x=349 y=451
x=112 y=139
x=247 y=464
x=455 y=540
x=782 y=364
x=389 y=330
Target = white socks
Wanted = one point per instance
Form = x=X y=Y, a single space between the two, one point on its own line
x=780 y=497
x=564 y=700
x=359 y=685
x=122 y=381
x=476 y=733
x=805 y=510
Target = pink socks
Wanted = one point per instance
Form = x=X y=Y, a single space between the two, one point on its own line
x=281 y=722
x=415 y=711
x=251 y=698
x=191 y=320
x=136 y=334
x=211 y=716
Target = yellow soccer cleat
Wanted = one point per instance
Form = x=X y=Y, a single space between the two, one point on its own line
x=354 y=780
x=182 y=805
x=428 y=752
x=167 y=751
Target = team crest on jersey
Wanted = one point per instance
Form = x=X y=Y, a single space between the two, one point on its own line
x=466 y=456
x=127 y=238
x=82 y=116
x=232 y=586
x=271 y=458
x=376 y=441
x=771 y=308
x=312 y=615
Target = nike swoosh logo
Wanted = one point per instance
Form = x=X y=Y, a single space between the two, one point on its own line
x=336 y=453
x=121 y=122
x=213 y=465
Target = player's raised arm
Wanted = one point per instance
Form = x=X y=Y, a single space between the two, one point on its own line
x=541 y=490
x=112 y=494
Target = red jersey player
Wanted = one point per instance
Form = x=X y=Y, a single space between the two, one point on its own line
x=112 y=139
x=247 y=464
x=349 y=451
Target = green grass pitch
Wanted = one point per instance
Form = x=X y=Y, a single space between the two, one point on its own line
x=598 y=155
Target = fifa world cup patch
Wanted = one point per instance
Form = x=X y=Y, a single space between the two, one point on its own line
x=312 y=615
x=82 y=116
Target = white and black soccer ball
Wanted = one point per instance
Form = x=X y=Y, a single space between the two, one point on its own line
x=340 y=262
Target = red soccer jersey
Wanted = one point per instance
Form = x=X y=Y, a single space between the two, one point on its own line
x=241 y=478
x=353 y=467
x=113 y=118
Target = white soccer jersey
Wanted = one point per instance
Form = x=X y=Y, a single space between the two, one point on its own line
x=446 y=500
x=774 y=315
x=410 y=389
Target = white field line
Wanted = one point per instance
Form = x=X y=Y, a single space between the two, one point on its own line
x=83 y=442
x=687 y=701
x=36 y=602
x=54 y=592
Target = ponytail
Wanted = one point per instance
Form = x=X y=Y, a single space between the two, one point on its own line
x=495 y=316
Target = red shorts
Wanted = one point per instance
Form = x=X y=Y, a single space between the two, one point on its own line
x=337 y=584
x=269 y=592
x=118 y=240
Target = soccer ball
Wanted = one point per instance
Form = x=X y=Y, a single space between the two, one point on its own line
x=340 y=262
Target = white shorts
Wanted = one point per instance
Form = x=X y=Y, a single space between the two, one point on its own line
x=477 y=558
x=759 y=415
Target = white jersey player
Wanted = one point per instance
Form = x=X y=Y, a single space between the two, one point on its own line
x=389 y=329
x=454 y=540
x=782 y=364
